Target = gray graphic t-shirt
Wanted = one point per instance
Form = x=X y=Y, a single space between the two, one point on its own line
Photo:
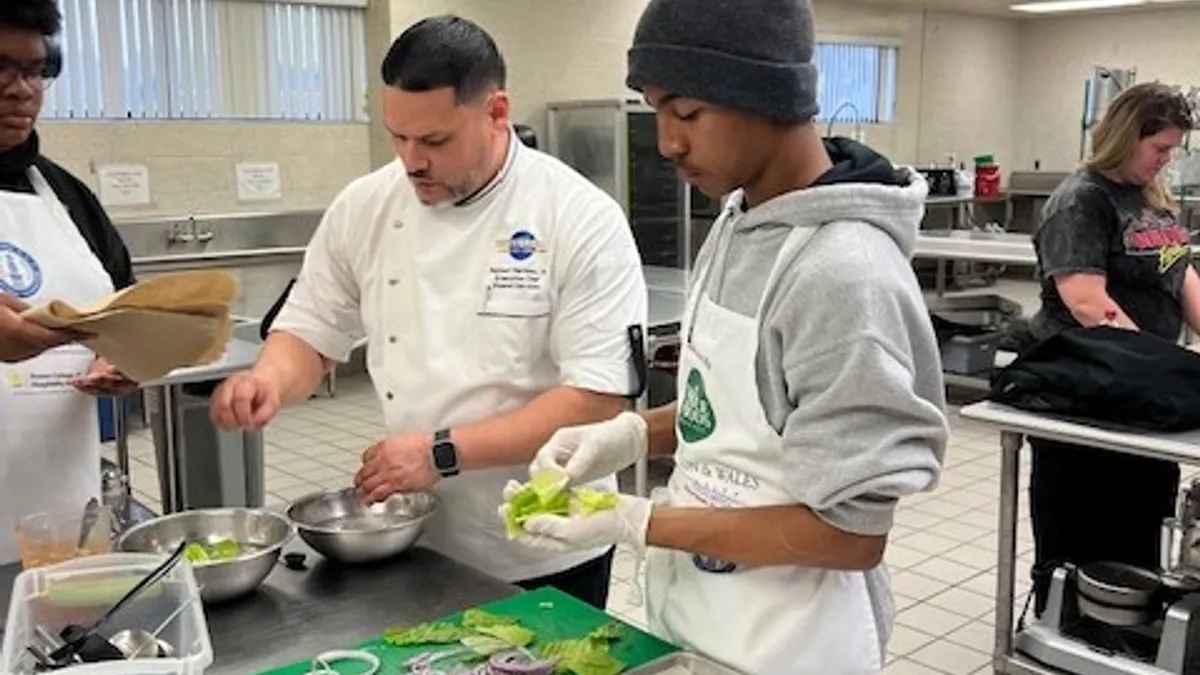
x=1092 y=224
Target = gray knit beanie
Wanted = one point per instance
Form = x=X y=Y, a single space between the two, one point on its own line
x=749 y=55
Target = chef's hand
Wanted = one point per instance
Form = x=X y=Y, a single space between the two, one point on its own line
x=624 y=524
x=103 y=379
x=398 y=463
x=593 y=451
x=244 y=401
x=21 y=339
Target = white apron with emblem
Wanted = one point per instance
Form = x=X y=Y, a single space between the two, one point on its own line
x=467 y=324
x=50 y=457
x=780 y=620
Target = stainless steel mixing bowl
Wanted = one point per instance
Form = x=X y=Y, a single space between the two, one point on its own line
x=340 y=527
x=260 y=534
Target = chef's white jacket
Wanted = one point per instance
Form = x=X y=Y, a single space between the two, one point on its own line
x=472 y=310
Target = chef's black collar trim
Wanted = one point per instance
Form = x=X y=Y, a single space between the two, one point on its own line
x=514 y=146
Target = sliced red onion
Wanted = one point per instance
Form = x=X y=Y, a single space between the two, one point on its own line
x=516 y=663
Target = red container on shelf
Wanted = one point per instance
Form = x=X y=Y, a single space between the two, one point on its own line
x=987 y=177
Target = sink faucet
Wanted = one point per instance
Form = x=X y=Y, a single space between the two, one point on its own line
x=189 y=232
x=115 y=496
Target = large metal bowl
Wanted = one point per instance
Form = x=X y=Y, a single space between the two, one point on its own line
x=340 y=527
x=260 y=533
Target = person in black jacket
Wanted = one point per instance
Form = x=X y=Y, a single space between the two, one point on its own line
x=29 y=61
x=1111 y=250
x=56 y=243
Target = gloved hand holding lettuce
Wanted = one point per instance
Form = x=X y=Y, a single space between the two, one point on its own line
x=545 y=513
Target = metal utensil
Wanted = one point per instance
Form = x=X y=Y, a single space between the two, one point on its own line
x=91 y=512
x=339 y=526
x=78 y=638
x=261 y=536
x=135 y=643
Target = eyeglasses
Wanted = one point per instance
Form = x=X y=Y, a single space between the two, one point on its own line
x=35 y=75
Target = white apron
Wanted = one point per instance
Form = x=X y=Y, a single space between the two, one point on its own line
x=779 y=620
x=50 y=432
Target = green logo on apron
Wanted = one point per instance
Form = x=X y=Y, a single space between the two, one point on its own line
x=696 y=419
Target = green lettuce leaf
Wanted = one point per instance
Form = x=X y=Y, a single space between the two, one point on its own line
x=582 y=657
x=442 y=633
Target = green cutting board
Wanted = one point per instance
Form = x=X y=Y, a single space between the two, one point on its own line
x=550 y=613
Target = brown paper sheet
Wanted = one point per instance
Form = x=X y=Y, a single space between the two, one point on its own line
x=158 y=325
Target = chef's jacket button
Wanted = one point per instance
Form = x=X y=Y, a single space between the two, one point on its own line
x=390 y=396
x=397 y=224
x=393 y=282
x=392 y=339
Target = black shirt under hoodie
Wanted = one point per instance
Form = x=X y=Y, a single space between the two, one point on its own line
x=85 y=210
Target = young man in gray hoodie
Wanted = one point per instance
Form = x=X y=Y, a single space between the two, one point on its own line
x=811 y=395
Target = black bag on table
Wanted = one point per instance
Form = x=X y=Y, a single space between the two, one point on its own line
x=1110 y=375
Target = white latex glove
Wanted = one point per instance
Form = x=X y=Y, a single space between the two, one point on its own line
x=624 y=524
x=593 y=451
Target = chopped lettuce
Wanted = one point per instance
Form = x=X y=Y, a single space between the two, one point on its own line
x=485 y=634
x=221 y=550
x=485 y=645
x=513 y=634
x=581 y=657
x=477 y=618
x=547 y=484
x=543 y=494
x=612 y=631
x=588 y=501
x=546 y=494
x=426 y=634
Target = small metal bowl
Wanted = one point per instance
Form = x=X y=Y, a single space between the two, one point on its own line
x=261 y=535
x=337 y=524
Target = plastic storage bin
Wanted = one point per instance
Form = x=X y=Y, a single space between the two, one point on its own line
x=80 y=591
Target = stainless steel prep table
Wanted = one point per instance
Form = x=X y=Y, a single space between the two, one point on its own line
x=667 y=297
x=298 y=614
x=972 y=245
x=1014 y=425
x=239 y=355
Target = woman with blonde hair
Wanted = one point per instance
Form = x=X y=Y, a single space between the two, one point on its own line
x=1111 y=250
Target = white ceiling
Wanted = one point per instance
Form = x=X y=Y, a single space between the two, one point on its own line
x=1001 y=7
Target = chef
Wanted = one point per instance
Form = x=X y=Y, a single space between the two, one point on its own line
x=809 y=379
x=56 y=243
x=496 y=288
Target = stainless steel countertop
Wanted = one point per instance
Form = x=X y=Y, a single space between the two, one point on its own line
x=660 y=278
x=239 y=355
x=1175 y=447
x=297 y=614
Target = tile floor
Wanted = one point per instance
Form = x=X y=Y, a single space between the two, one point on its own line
x=942 y=552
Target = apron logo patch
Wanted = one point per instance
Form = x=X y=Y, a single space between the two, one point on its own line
x=15 y=379
x=696 y=419
x=20 y=273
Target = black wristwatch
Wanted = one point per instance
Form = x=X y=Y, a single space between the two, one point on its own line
x=445 y=454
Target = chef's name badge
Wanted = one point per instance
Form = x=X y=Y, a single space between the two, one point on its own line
x=521 y=246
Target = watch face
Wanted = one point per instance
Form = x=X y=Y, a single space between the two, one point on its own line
x=444 y=456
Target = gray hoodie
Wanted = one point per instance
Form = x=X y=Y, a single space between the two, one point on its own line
x=848 y=366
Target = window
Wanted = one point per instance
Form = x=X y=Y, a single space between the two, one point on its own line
x=211 y=59
x=857 y=81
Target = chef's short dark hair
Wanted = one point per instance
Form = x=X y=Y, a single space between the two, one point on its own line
x=39 y=15
x=445 y=51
